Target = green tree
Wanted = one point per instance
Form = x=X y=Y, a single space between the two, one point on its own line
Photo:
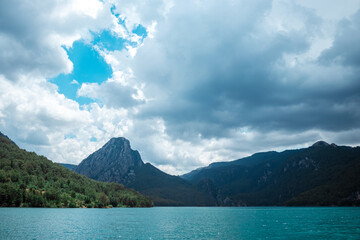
x=104 y=199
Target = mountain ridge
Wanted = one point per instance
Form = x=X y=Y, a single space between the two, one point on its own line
x=117 y=162
x=307 y=176
x=322 y=174
x=253 y=159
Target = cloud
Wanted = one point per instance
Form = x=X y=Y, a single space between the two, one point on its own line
x=32 y=35
x=211 y=75
x=114 y=92
x=210 y=82
x=256 y=66
x=74 y=82
x=347 y=34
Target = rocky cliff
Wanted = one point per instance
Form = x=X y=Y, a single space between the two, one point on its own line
x=114 y=162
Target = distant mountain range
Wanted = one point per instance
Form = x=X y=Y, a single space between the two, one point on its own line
x=320 y=175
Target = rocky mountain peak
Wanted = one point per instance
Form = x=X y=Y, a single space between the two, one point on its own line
x=118 y=142
x=115 y=161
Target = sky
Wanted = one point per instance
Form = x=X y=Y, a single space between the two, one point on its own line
x=188 y=82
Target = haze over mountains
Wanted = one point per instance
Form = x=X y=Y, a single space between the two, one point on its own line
x=322 y=174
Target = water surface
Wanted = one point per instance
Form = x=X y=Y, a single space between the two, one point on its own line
x=181 y=223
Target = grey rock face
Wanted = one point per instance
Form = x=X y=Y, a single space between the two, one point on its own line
x=114 y=162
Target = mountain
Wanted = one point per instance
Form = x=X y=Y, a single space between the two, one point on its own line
x=68 y=166
x=117 y=162
x=321 y=175
x=29 y=180
x=247 y=161
x=114 y=162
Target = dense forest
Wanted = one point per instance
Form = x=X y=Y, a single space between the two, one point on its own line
x=29 y=180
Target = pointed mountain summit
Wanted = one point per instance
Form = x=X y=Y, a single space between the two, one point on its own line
x=117 y=162
x=114 y=162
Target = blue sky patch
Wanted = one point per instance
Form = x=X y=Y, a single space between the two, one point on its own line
x=69 y=136
x=140 y=31
x=89 y=67
x=106 y=40
x=112 y=9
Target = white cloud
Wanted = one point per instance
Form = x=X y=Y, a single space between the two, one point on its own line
x=115 y=92
x=38 y=119
x=74 y=82
x=140 y=12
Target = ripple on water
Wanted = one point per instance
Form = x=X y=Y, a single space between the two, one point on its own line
x=181 y=223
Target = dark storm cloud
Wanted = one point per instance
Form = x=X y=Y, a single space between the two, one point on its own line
x=346 y=47
x=213 y=76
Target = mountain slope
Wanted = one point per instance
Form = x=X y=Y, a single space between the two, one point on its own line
x=68 y=166
x=247 y=161
x=322 y=174
x=117 y=162
x=168 y=190
x=114 y=162
x=29 y=180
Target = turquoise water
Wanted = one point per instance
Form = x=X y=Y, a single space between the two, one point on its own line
x=181 y=223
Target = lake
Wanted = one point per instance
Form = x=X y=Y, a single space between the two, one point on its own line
x=181 y=223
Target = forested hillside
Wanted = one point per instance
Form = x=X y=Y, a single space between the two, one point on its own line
x=29 y=180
